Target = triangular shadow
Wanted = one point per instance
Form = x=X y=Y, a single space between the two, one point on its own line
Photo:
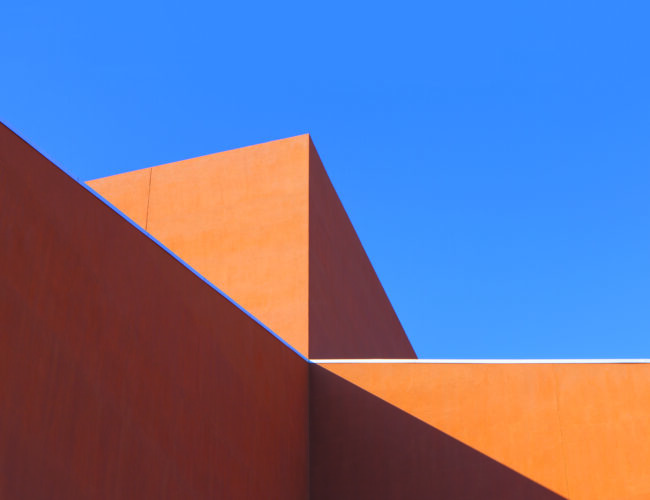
x=362 y=447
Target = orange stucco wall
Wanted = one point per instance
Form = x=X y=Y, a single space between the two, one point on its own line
x=264 y=224
x=240 y=219
x=122 y=374
x=579 y=431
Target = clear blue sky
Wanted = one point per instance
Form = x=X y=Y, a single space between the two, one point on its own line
x=494 y=157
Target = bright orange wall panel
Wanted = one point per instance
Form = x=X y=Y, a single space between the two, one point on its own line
x=122 y=374
x=264 y=224
x=605 y=419
x=240 y=219
x=579 y=431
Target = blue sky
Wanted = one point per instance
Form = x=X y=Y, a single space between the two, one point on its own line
x=494 y=157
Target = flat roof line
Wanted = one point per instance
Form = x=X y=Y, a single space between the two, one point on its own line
x=485 y=361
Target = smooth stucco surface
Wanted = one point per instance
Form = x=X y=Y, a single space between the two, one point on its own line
x=123 y=374
x=264 y=224
x=240 y=219
x=579 y=430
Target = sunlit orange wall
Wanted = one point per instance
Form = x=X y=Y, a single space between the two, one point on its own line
x=239 y=218
x=578 y=431
x=264 y=224
x=122 y=374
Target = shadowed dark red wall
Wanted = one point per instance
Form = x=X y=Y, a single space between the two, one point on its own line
x=122 y=374
x=350 y=315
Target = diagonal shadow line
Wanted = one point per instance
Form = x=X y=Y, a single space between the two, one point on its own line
x=362 y=447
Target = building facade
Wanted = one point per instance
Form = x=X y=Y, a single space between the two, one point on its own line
x=213 y=328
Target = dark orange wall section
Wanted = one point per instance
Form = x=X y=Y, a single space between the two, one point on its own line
x=350 y=315
x=122 y=374
x=577 y=431
x=264 y=224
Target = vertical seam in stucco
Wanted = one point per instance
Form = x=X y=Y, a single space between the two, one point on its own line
x=559 y=423
x=146 y=220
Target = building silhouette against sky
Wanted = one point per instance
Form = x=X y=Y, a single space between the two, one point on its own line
x=225 y=336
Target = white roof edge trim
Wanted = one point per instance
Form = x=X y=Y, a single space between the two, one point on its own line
x=484 y=361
